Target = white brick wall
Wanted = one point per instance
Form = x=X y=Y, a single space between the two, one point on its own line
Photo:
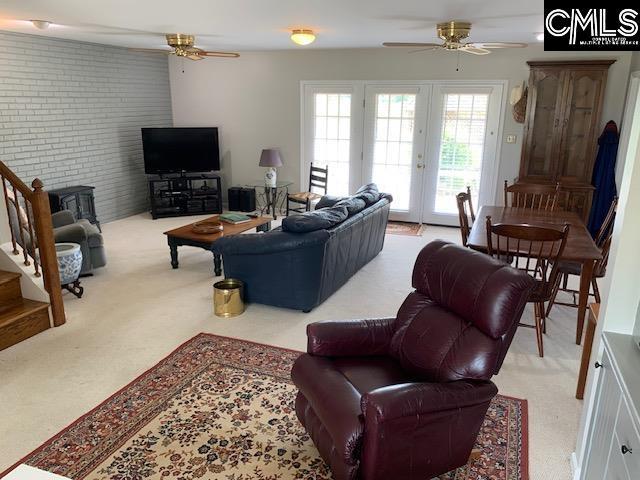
x=71 y=113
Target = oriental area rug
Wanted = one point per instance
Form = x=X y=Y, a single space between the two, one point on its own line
x=222 y=408
x=405 y=228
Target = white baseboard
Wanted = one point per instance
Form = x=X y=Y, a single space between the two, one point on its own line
x=575 y=468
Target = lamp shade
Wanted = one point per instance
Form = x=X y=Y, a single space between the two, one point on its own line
x=270 y=158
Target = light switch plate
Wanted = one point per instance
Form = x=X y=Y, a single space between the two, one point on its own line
x=511 y=138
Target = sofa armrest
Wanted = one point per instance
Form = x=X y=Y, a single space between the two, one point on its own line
x=62 y=218
x=415 y=399
x=270 y=242
x=422 y=430
x=73 y=233
x=350 y=337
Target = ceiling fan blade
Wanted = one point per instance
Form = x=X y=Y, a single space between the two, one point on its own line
x=471 y=48
x=499 y=45
x=409 y=44
x=425 y=49
x=151 y=50
x=206 y=53
x=195 y=57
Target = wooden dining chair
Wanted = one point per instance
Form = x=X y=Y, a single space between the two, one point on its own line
x=603 y=242
x=531 y=195
x=465 y=210
x=318 y=179
x=535 y=250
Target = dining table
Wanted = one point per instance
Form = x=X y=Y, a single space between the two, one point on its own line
x=579 y=247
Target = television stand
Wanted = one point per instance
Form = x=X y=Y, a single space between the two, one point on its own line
x=185 y=194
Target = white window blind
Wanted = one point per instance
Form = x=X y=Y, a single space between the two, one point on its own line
x=464 y=122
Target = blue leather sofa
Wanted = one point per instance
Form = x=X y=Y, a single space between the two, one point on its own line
x=301 y=270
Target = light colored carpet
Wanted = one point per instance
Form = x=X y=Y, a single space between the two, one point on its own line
x=137 y=310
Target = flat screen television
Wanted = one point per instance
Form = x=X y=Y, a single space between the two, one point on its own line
x=178 y=150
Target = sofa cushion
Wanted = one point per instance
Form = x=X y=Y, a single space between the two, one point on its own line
x=368 y=186
x=328 y=201
x=315 y=220
x=353 y=204
x=369 y=193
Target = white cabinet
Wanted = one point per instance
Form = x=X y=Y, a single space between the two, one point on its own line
x=613 y=452
x=609 y=395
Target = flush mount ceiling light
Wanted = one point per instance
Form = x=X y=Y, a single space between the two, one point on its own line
x=302 y=36
x=41 y=24
x=540 y=37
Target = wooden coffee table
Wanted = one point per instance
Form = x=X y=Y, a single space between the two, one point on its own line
x=186 y=236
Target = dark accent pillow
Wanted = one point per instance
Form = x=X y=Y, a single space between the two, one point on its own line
x=353 y=204
x=328 y=201
x=369 y=193
x=368 y=186
x=316 y=220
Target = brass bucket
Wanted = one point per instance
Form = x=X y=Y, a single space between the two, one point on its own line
x=228 y=295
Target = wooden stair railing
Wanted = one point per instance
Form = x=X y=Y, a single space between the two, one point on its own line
x=32 y=232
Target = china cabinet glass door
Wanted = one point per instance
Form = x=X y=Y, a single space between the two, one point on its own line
x=579 y=124
x=541 y=144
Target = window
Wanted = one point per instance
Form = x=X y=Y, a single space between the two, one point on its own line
x=332 y=138
x=393 y=148
x=464 y=122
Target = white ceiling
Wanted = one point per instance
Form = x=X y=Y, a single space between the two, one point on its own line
x=264 y=24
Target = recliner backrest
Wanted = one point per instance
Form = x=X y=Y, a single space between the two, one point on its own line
x=461 y=318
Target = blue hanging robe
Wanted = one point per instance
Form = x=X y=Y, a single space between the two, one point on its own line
x=604 y=177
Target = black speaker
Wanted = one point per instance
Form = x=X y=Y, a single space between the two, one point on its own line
x=234 y=198
x=179 y=184
x=247 y=200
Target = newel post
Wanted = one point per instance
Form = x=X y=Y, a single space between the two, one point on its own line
x=47 y=249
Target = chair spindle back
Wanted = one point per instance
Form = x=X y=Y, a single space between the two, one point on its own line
x=532 y=196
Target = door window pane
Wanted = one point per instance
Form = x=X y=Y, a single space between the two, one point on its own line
x=393 y=150
x=332 y=138
x=464 y=120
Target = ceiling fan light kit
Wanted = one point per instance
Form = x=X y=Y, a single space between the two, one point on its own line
x=303 y=37
x=41 y=24
x=452 y=34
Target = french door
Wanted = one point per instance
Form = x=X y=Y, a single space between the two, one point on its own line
x=462 y=149
x=394 y=141
x=421 y=142
x=332 y=135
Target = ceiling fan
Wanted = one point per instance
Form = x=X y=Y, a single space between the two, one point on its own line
x=452 y=33
x=183 y=46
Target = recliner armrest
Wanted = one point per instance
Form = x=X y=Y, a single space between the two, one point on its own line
x=412 y=399
x=421 y=430
x=334 y=400
x=349 y=338
x=62 y=218
x=73 y=233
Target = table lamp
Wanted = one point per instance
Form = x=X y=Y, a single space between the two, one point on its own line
x=270 y=158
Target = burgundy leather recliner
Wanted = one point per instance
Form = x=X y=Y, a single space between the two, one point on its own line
x=404 y=398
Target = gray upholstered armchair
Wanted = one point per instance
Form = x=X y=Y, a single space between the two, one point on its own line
x=67 y=229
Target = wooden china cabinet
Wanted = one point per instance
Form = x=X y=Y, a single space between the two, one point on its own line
x=562 y=127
